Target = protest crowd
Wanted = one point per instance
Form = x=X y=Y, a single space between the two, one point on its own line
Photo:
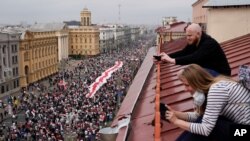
x=59 y=109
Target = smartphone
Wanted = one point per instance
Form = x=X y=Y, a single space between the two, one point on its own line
x=163 y=110
x=157 y=57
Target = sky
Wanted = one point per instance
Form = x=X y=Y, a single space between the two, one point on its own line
x=103 y=11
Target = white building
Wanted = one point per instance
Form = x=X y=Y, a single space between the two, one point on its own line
x=106 y=39
x=118 y=35
x=9 y=63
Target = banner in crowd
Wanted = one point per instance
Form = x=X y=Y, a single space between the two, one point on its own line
x=94 y=87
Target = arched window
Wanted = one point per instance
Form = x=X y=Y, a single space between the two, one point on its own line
x=88 y=21
x=84 y=23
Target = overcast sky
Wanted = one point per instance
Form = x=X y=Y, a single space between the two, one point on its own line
x=103 y=11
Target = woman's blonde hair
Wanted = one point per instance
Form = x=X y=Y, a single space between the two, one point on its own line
x=198 y=78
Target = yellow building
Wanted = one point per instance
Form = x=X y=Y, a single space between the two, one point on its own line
x=38 y=56
x=84 y=40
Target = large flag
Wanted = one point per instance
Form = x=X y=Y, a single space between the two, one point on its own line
x=103 y=79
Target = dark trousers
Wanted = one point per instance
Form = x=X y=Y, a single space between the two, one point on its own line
x=212 y=72
x=221 y=132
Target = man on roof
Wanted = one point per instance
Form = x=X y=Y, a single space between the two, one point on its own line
x=201 y=49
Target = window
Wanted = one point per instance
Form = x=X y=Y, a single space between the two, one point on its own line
x=14 y=71
x=16 y=59
x=88 y=21
x=4 y=46
x=84 y=21
x=26 y=56
x=17 y=83
x=0 y=72
x=2 y=89
x=4 y=61
x=14 y=84
x=7 y=88
x=13 y=59
x=12 y=48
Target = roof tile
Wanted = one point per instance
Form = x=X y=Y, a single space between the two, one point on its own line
x=172 y=91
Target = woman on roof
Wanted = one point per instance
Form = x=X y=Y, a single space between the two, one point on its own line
x=223 y=103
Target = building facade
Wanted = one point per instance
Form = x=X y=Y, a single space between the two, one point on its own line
x=9 y=62
x=135 y=32
x=38 y=55
x=127 y=36
x=228 y=20
x=119 y=36
x=199 y=14
x=106 y=39
x=63 y=43
x=168 y=20
x=84 y=40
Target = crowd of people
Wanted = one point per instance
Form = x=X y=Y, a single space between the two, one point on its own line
x=58 y=112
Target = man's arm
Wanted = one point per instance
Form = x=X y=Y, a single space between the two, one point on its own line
x=185 y=51
x=171 y=57
x=205 y=51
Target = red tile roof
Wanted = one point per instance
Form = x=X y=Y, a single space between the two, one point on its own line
x=175 y=27
x=172 y=91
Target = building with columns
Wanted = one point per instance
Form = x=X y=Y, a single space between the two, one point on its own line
x=38 y=53
x=84 y=39
x=63 y=43
x=9 y=71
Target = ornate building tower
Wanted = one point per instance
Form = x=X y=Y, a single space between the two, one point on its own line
x=84 y=40
x=85 y=17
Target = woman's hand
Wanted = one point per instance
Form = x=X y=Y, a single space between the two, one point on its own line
x=177 y=118
x=170 y=115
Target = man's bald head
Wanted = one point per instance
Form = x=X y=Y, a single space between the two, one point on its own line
x=194 y=28
x=193 y=33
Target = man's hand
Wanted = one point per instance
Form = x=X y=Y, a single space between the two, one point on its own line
x=166 y=58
